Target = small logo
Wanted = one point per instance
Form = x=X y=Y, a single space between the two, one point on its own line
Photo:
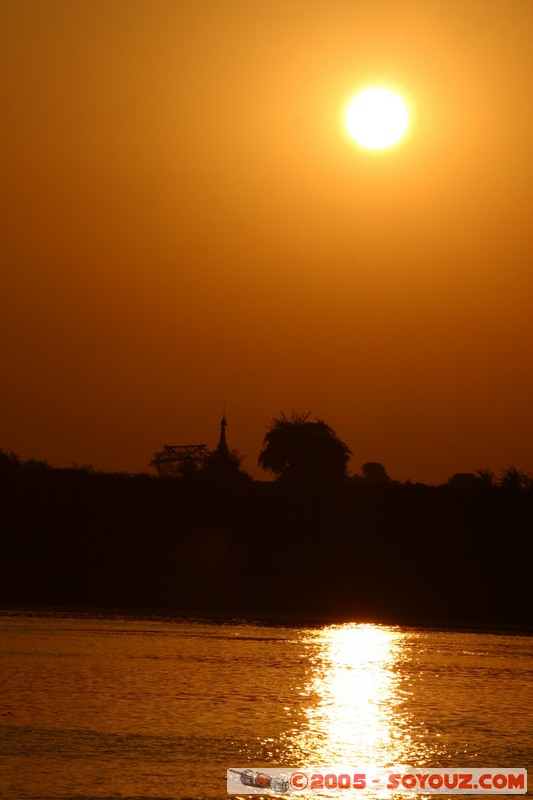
x=260 y=780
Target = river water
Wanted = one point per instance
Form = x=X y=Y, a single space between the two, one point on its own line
x=101 y=707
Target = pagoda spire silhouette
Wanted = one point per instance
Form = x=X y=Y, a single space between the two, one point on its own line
x=222 y=447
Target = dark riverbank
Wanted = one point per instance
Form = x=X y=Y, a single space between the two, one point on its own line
x=259 y=620
x=457 y=556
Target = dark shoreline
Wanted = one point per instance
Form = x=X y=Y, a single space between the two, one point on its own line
x=260 y=620
x=455 y=557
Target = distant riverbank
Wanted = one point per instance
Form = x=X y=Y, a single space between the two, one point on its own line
x=393 y=553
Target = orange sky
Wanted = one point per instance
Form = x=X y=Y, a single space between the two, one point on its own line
x=185 y=221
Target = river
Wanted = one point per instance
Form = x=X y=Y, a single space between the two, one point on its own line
x=101 y=707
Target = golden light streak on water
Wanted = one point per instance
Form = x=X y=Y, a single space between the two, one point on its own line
x=352 y=697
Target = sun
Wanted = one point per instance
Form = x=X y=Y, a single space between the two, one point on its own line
x=377 y=118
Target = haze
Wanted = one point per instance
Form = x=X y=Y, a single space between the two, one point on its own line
x=186 y=221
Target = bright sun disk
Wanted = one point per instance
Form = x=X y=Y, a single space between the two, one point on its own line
x=377 y=118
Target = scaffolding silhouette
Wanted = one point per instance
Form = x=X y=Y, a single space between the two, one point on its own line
x=174 y=459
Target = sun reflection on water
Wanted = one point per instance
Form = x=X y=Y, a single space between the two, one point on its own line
x=350 y=701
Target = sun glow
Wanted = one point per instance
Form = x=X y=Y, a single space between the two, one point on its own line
x=377 y=118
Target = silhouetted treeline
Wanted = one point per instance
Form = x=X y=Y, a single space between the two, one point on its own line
x=360 y=549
